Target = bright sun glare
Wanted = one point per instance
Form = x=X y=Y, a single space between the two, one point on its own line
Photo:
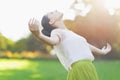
x=13 y=64
x=112 y=5
x=13 y=23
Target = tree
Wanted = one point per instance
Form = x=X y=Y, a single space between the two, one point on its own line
x=33 y=44
x=3 y=44
x=97 y=26
x=20 y=45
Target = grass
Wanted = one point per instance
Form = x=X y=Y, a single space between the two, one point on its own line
x=108 y=70
x=14 y=69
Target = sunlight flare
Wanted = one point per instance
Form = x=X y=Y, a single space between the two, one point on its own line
x=112 y=6
x=16 y=64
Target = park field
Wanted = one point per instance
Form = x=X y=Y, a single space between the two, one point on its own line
x=24 y=69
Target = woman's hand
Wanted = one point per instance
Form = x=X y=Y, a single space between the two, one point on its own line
x=34 y=25
x=106 y=49
x=34 y=28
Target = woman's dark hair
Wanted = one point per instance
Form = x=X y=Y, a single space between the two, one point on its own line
x=47 y=28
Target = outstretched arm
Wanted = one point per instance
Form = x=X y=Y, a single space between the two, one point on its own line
x=34 y=28
x=106 y=49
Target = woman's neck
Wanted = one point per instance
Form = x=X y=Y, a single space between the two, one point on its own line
x=60 y=25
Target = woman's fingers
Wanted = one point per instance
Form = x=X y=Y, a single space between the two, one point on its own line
x=33 y=24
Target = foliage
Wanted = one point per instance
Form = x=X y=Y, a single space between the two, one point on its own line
x=5 y=43
x=20 y=45
x=116 y=45
x=24 y=44
x=98 y=26
x=26 y=54
x=34 y=44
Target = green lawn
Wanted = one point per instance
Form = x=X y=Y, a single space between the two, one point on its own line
x=14 y=69
x=108 y=70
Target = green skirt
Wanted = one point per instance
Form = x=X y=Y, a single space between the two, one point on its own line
x=82 y=70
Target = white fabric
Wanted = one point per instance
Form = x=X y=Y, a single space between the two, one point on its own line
x=72 y=47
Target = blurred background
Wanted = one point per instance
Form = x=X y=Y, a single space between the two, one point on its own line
x=22 y=56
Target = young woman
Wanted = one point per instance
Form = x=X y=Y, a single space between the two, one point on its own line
x=73 y=50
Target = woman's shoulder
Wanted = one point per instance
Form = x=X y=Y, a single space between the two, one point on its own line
x=57 y=30
x=61 y=31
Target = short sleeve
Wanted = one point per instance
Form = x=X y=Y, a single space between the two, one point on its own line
x=57 y=32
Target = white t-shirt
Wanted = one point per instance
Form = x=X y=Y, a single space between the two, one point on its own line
x=72 y=47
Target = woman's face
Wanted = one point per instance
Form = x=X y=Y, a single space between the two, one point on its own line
x=55 y=16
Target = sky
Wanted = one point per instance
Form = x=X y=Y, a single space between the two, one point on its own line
x=15 y=14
